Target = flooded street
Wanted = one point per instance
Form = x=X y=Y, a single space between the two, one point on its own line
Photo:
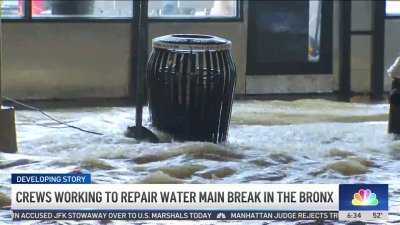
x=304 y=141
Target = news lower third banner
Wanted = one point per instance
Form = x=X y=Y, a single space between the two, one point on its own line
x=73 y=197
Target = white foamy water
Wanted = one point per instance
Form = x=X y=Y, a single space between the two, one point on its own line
x=305 y=141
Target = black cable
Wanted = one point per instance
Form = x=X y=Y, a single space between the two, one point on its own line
x=50 y=117
x=42 y=125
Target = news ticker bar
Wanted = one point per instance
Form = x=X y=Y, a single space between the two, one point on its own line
x=175 y=215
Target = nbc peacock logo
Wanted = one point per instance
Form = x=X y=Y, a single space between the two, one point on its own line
x=364 y=198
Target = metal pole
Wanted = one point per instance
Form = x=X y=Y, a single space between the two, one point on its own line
x=378 y=50
x=142 y=60
x=345 y=51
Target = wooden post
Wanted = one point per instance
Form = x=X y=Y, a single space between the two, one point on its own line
x=8 y=135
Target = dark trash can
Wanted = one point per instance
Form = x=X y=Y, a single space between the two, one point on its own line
x=191 y=83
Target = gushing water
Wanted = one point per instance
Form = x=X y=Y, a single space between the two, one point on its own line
x=305 y=141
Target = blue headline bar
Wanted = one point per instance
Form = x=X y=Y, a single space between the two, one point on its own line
x=50 y=178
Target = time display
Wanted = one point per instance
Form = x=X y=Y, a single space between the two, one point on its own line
x=353 y=215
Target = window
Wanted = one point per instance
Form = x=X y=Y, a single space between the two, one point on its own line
x=122 y=9
x=193 y=9
x=393 y=7
x=82 y=8
x=12 y=8
x=290 y=37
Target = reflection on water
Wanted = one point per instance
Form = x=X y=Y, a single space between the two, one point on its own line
x=305 y=141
